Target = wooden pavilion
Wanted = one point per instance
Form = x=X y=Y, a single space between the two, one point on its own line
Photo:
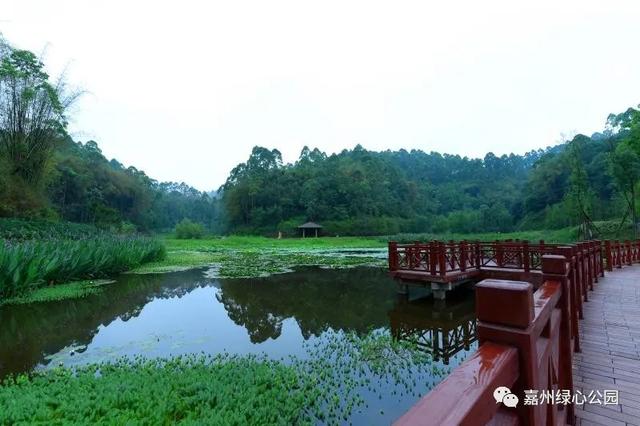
x=311 y=227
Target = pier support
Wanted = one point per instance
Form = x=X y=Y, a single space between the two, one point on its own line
x=440 y=294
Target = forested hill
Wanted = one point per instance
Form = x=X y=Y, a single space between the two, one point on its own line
x=80 y=185
x=44 y=173
x=365 y=192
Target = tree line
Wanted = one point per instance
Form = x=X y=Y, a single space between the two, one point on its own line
x=576 y=183
x=44 y=173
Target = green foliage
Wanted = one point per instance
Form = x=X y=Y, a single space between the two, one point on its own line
x=220 y=390
x=72 y=290
x=243 y=257
x=326 y=386
x=564 y=235
x=45 y=174
x=19 y=229
x=85 y=187
x=33 y=109
x=625 y=160
x=360 y=192
x=26 y=266
x=187 y=229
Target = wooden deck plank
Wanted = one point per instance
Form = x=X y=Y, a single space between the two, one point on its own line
x=610 y=342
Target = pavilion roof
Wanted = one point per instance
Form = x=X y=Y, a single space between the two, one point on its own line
x=310 y=225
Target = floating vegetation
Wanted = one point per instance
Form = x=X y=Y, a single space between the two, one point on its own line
x=251 y=263
x=333 y=384
x=195 y=389
x=27 y=266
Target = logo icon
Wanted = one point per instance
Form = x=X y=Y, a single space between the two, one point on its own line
x=503 y=394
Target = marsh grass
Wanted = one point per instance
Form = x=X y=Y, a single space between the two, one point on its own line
x=329 y=386
x=21 y=230
x=27 y=266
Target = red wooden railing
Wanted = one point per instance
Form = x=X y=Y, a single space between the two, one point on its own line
x=439 y=258
x=621 y=253
x=526 y=338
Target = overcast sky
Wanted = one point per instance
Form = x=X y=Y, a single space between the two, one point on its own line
x=184 y=89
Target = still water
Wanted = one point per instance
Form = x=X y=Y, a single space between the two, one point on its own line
x=188 y=312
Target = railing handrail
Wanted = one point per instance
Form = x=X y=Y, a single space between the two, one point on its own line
x=440 y=257
x=511 y=317
x=492 y=365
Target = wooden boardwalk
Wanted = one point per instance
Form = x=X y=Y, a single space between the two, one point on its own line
x=610 y=343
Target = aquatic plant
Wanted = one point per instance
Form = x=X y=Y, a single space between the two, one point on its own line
x=341 y=376
x=250 y=263
x=191 y=389
x=25 y=266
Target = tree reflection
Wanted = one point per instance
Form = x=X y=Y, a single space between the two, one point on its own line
x=30 y=332
x=350 y=300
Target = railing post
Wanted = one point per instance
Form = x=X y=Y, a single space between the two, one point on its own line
x=583 y=266
x=590 y=273
x=478 y=255
x=576 y=278
x=596 y=260
x=442 y=261
x=607 y=253
x=627 y=244
x=554 y=268
x=579 y=272
x=525 y=256
x=595 y=247
x=393 y=256
x=433 y=257
x=499 y=253
x=463 y=256
x=618 y=254
x=505 y=314
x=416 y=255
x=576 y=296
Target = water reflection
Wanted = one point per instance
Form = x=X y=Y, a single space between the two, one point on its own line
x=29 y=333
x=159 y=315
x=442 y=328
x=319 y=300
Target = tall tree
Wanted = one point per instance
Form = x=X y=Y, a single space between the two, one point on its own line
x=625 y=159
x=32 y=112
x=579 y=195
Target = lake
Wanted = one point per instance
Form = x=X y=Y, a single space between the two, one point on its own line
x=281 y=315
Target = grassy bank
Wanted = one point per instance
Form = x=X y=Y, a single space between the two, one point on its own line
x=251 y=256
x=244 y=257
x=31 y=265
x=564 y=235
x=327 y=386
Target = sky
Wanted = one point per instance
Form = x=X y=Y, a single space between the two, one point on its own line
x=184 y=89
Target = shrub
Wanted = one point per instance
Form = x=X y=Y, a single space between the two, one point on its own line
x=188 y=229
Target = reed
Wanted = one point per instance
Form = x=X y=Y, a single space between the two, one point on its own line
x=27 y=265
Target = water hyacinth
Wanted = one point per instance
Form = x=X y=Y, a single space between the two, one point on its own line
x=340 y=378
x=25 y=266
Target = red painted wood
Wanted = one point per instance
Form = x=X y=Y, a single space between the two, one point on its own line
x=542 y=327
x=466 y=396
